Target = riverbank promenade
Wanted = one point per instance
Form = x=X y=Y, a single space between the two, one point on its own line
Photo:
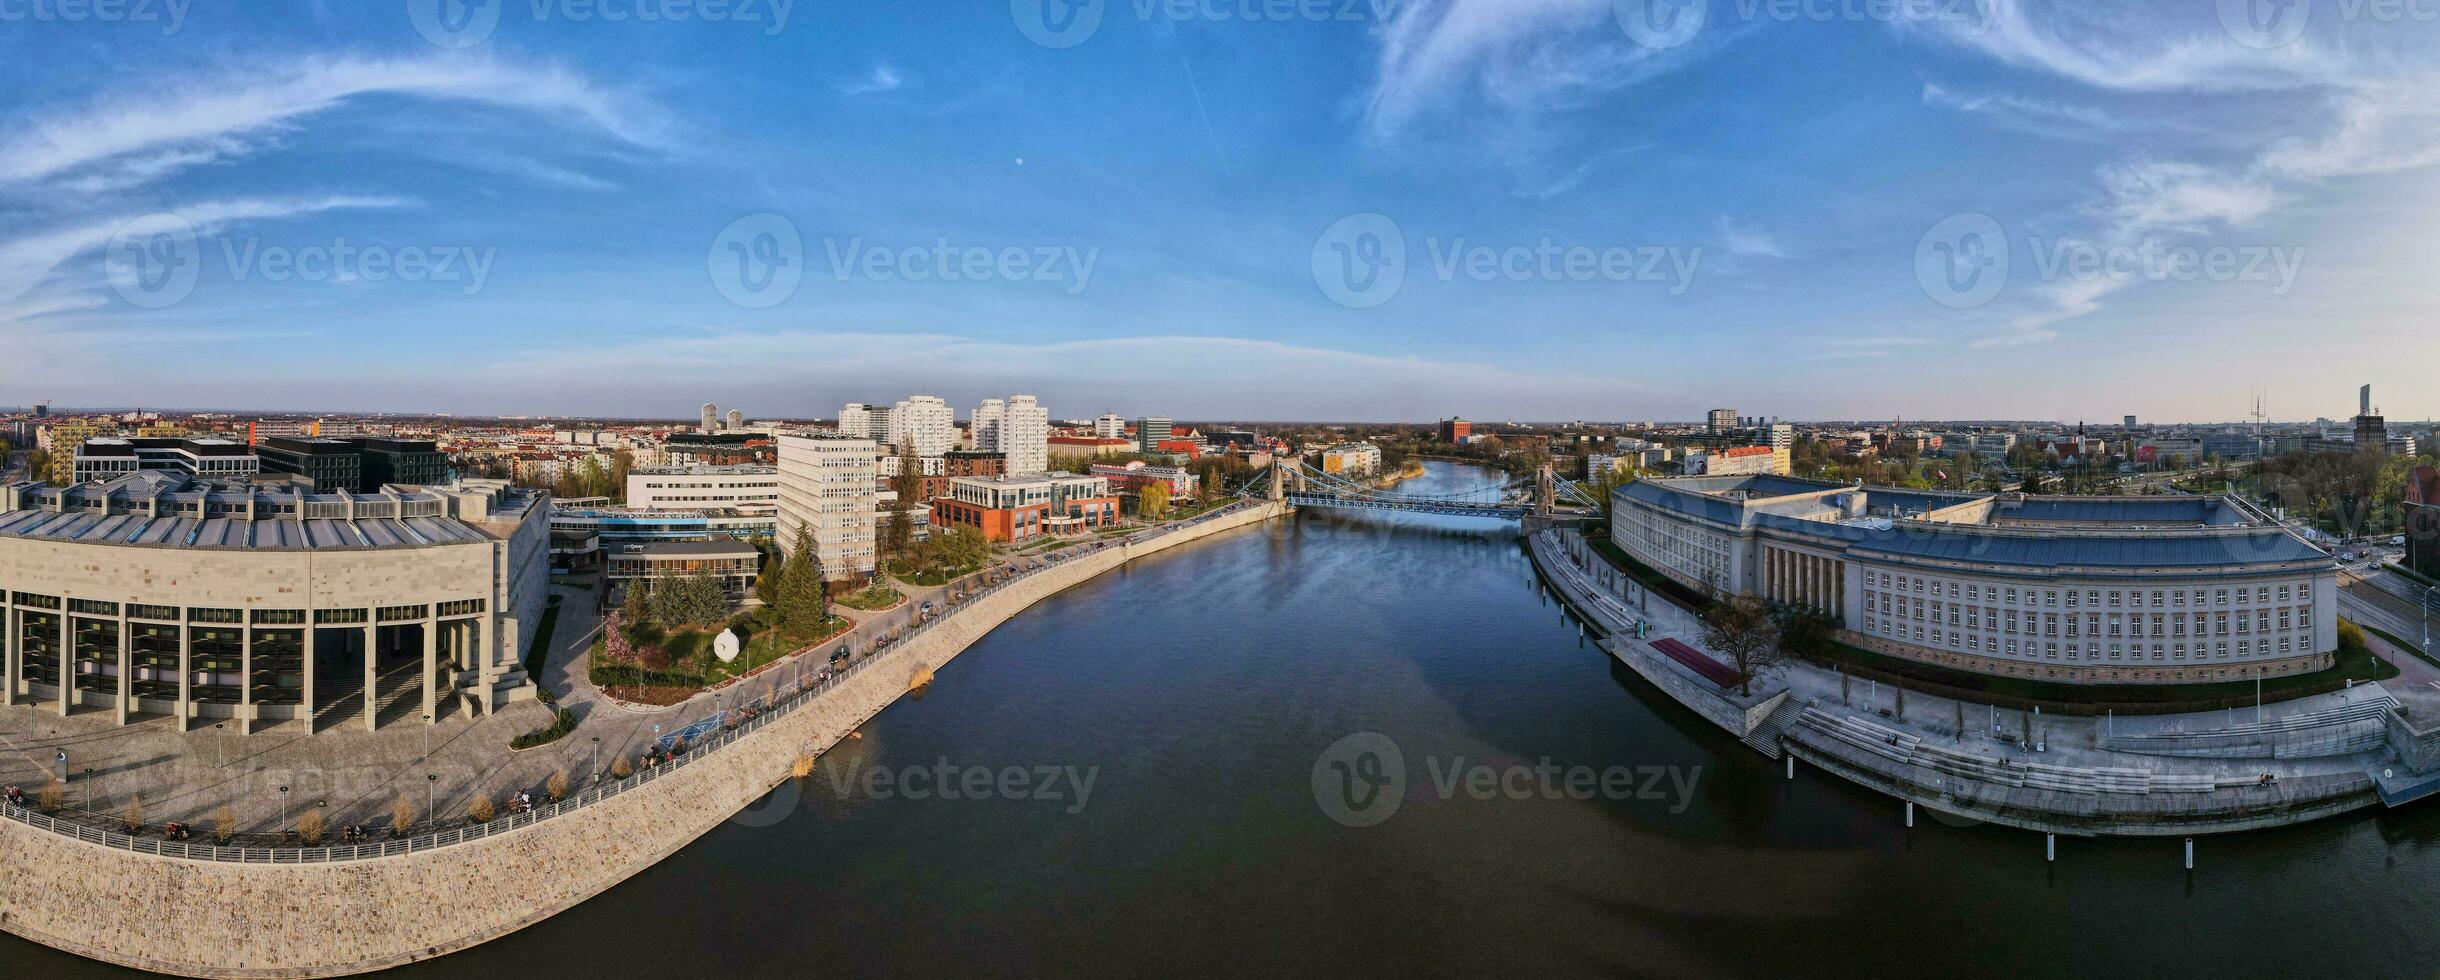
x=196 y=909
x=2155 y=775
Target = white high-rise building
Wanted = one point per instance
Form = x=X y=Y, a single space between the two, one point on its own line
x=830 y=485
x=988 y=417
x=861 y=421
x=1025 y=436
x=1109 y=427
x=923 y=426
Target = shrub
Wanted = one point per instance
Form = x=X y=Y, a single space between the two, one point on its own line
x=803 y=767
x=563 y=721
x=557 y=786
x=619 y=768
x=224 y=824
x=309 y=827
x=133 y=820
x=480 y=810
x=402 y=815
x=53 y=794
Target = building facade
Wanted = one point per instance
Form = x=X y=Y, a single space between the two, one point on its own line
x=747 y=488
x=734 y=564
x=157 y=594
x=829 y=485
x=211 y=459
x=922 y=426
x=1352 y=459
x=2087 y=590
x=1020 y=508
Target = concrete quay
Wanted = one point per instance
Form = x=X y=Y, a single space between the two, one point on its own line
x=2161 y=775
x=211 y=918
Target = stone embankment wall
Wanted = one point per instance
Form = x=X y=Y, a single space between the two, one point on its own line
x=200 y=918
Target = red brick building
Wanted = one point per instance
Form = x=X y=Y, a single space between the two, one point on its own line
x=1020 y=508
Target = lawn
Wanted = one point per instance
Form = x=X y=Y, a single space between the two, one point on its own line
x=674 y=664
x=930 y=577
x=873 y=598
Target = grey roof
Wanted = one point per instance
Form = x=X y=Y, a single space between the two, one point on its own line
x=2120 y=510
x=2057 y=549
x=236 y=533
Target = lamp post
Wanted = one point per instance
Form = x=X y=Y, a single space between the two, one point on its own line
x=2427 y=616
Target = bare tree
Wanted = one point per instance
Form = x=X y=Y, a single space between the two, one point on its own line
x=1743 y=628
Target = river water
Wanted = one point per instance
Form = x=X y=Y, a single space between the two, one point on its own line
x=1201 y=693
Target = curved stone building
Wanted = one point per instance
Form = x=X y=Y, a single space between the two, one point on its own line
x=159 y=594
x=2097 y=590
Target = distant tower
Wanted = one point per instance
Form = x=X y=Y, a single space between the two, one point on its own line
x=711 y=418
x=737 y=420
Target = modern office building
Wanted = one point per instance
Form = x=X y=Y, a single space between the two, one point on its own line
x=2422 y=521
x=1109 y=427
x=1019 y=508
x=2086 y=590
x=734 y=564
x=407 y=462
x=748 y=487
x=1722 y=420
x=322 y=464
x=160 y=594
x=1024 y=436
x=829 y=485
x=1455 y=430
x=2371 y=430
x=984 y=430
x=1151 y=431
x=211 y=459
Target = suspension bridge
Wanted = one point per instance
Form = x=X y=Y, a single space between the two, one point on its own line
x=1541 y=495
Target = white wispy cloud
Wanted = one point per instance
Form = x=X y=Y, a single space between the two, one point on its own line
x=37 y=265
x=1741 y=241
x=881 y=79
x=136 y=136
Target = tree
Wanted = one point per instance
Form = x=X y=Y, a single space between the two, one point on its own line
x=694 y=600
x=1152 y=502
x=1744 y=629
x=637 y=609
x=897 y=531
x=804 y=599
x=38 y=465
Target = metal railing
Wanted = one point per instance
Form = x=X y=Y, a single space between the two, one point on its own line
x=807 y=690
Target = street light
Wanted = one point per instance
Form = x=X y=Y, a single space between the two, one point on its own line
x=2427 y=616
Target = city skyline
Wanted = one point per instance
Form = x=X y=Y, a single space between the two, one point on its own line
x=1596 y=221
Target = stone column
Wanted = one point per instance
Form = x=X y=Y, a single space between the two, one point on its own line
x=8 y=647
x=432 y=629
x=308 y=702
x=65 y=657
x=186 y=674
x=127 y=686
x=372 y=656
x=245 y=673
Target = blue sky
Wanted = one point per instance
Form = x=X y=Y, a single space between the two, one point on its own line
x=1607 y=209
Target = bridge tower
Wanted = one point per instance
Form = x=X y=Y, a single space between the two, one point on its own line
x=1545 y=491
x=1279 y=480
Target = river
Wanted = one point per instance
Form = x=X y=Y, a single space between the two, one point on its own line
x=1197 y=690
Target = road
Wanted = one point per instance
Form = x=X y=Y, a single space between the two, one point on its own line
x=2387 y=601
